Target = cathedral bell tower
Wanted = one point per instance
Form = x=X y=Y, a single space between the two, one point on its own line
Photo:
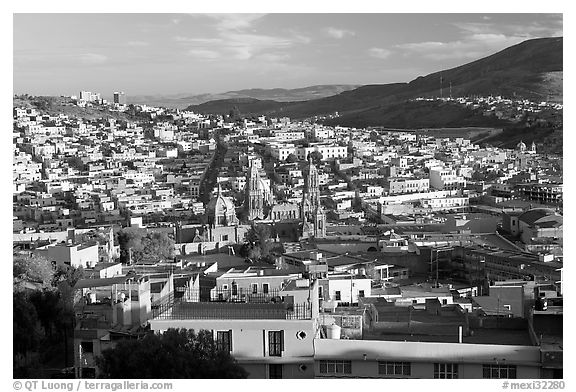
x=311 y=212
x=254 y=200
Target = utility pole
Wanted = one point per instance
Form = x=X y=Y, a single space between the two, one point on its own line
x=436 y=283
x=80 y=354
x=351 y=285
x=441 y=80
x=431 y=261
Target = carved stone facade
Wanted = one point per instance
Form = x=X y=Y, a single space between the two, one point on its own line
x=312 y=214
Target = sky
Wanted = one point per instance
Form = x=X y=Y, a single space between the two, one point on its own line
x=159 y=53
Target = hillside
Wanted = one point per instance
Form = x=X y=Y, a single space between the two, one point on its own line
x=244 y=105
x=531 y=70
x=418 y=114
x=181 y=101
x=64 y=105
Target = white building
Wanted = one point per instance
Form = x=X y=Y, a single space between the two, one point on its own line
x=408 y=185
x=442 y=178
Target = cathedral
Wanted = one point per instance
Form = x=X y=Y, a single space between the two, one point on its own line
x=522 y=147
x=258 y=198
x=311 y=213
x=309 y=216
x=222 y=227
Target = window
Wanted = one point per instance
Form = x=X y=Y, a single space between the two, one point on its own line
x=234 y=289
x=338 y=296
x=224 y=237
x=274 y=371
x=498 y=371
x=87 y=347
x=224 y=287
x=254 y=288
x=350 y=322
x=444 y=301
x=320 y=292
x=361 y=293
x=275 y=343
x=394 y=368
x=265 y=288
x=335 y=367
x=446 y=370
x=224 y=341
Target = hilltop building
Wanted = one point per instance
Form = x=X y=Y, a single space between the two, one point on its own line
x=120 y=97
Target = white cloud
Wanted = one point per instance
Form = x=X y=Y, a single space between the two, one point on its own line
x=423 y=46
x=379 y=53
x=92 y=58
x=137 y=43
x=234 y=21
x=237 y=39
x=198 y=41
x=242 y=46
x=472 y=46
x=528 y=30
x=273 y=57
x=203 y=54
x=474 y=27
x=338 y=33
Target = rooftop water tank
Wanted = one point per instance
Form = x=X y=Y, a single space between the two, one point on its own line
x=333 y=331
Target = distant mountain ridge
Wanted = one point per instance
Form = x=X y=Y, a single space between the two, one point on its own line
x=532 y=70
x=276 y=94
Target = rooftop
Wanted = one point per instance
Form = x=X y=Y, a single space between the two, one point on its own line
x=232 y=311
x=104 y=282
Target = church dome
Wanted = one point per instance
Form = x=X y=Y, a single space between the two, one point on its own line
x=220 y=210
x=521 y=146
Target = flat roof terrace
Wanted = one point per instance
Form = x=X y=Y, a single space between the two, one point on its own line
x=235 y=311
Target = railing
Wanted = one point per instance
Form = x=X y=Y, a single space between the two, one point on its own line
x=299 y=312
x=230 y=295
x=164 y=304
x=170 y=308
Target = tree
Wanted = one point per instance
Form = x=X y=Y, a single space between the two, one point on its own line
x=303 y=142
x=291 y=158
x=157 y=245
x=49 y=308
x=76 y=162
x=257 y=243
x=316 y=157
x=67 y=274
x=43 y=315
x=32 y=269
x=137 y=245
x=26 y=326
x=177 y=353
